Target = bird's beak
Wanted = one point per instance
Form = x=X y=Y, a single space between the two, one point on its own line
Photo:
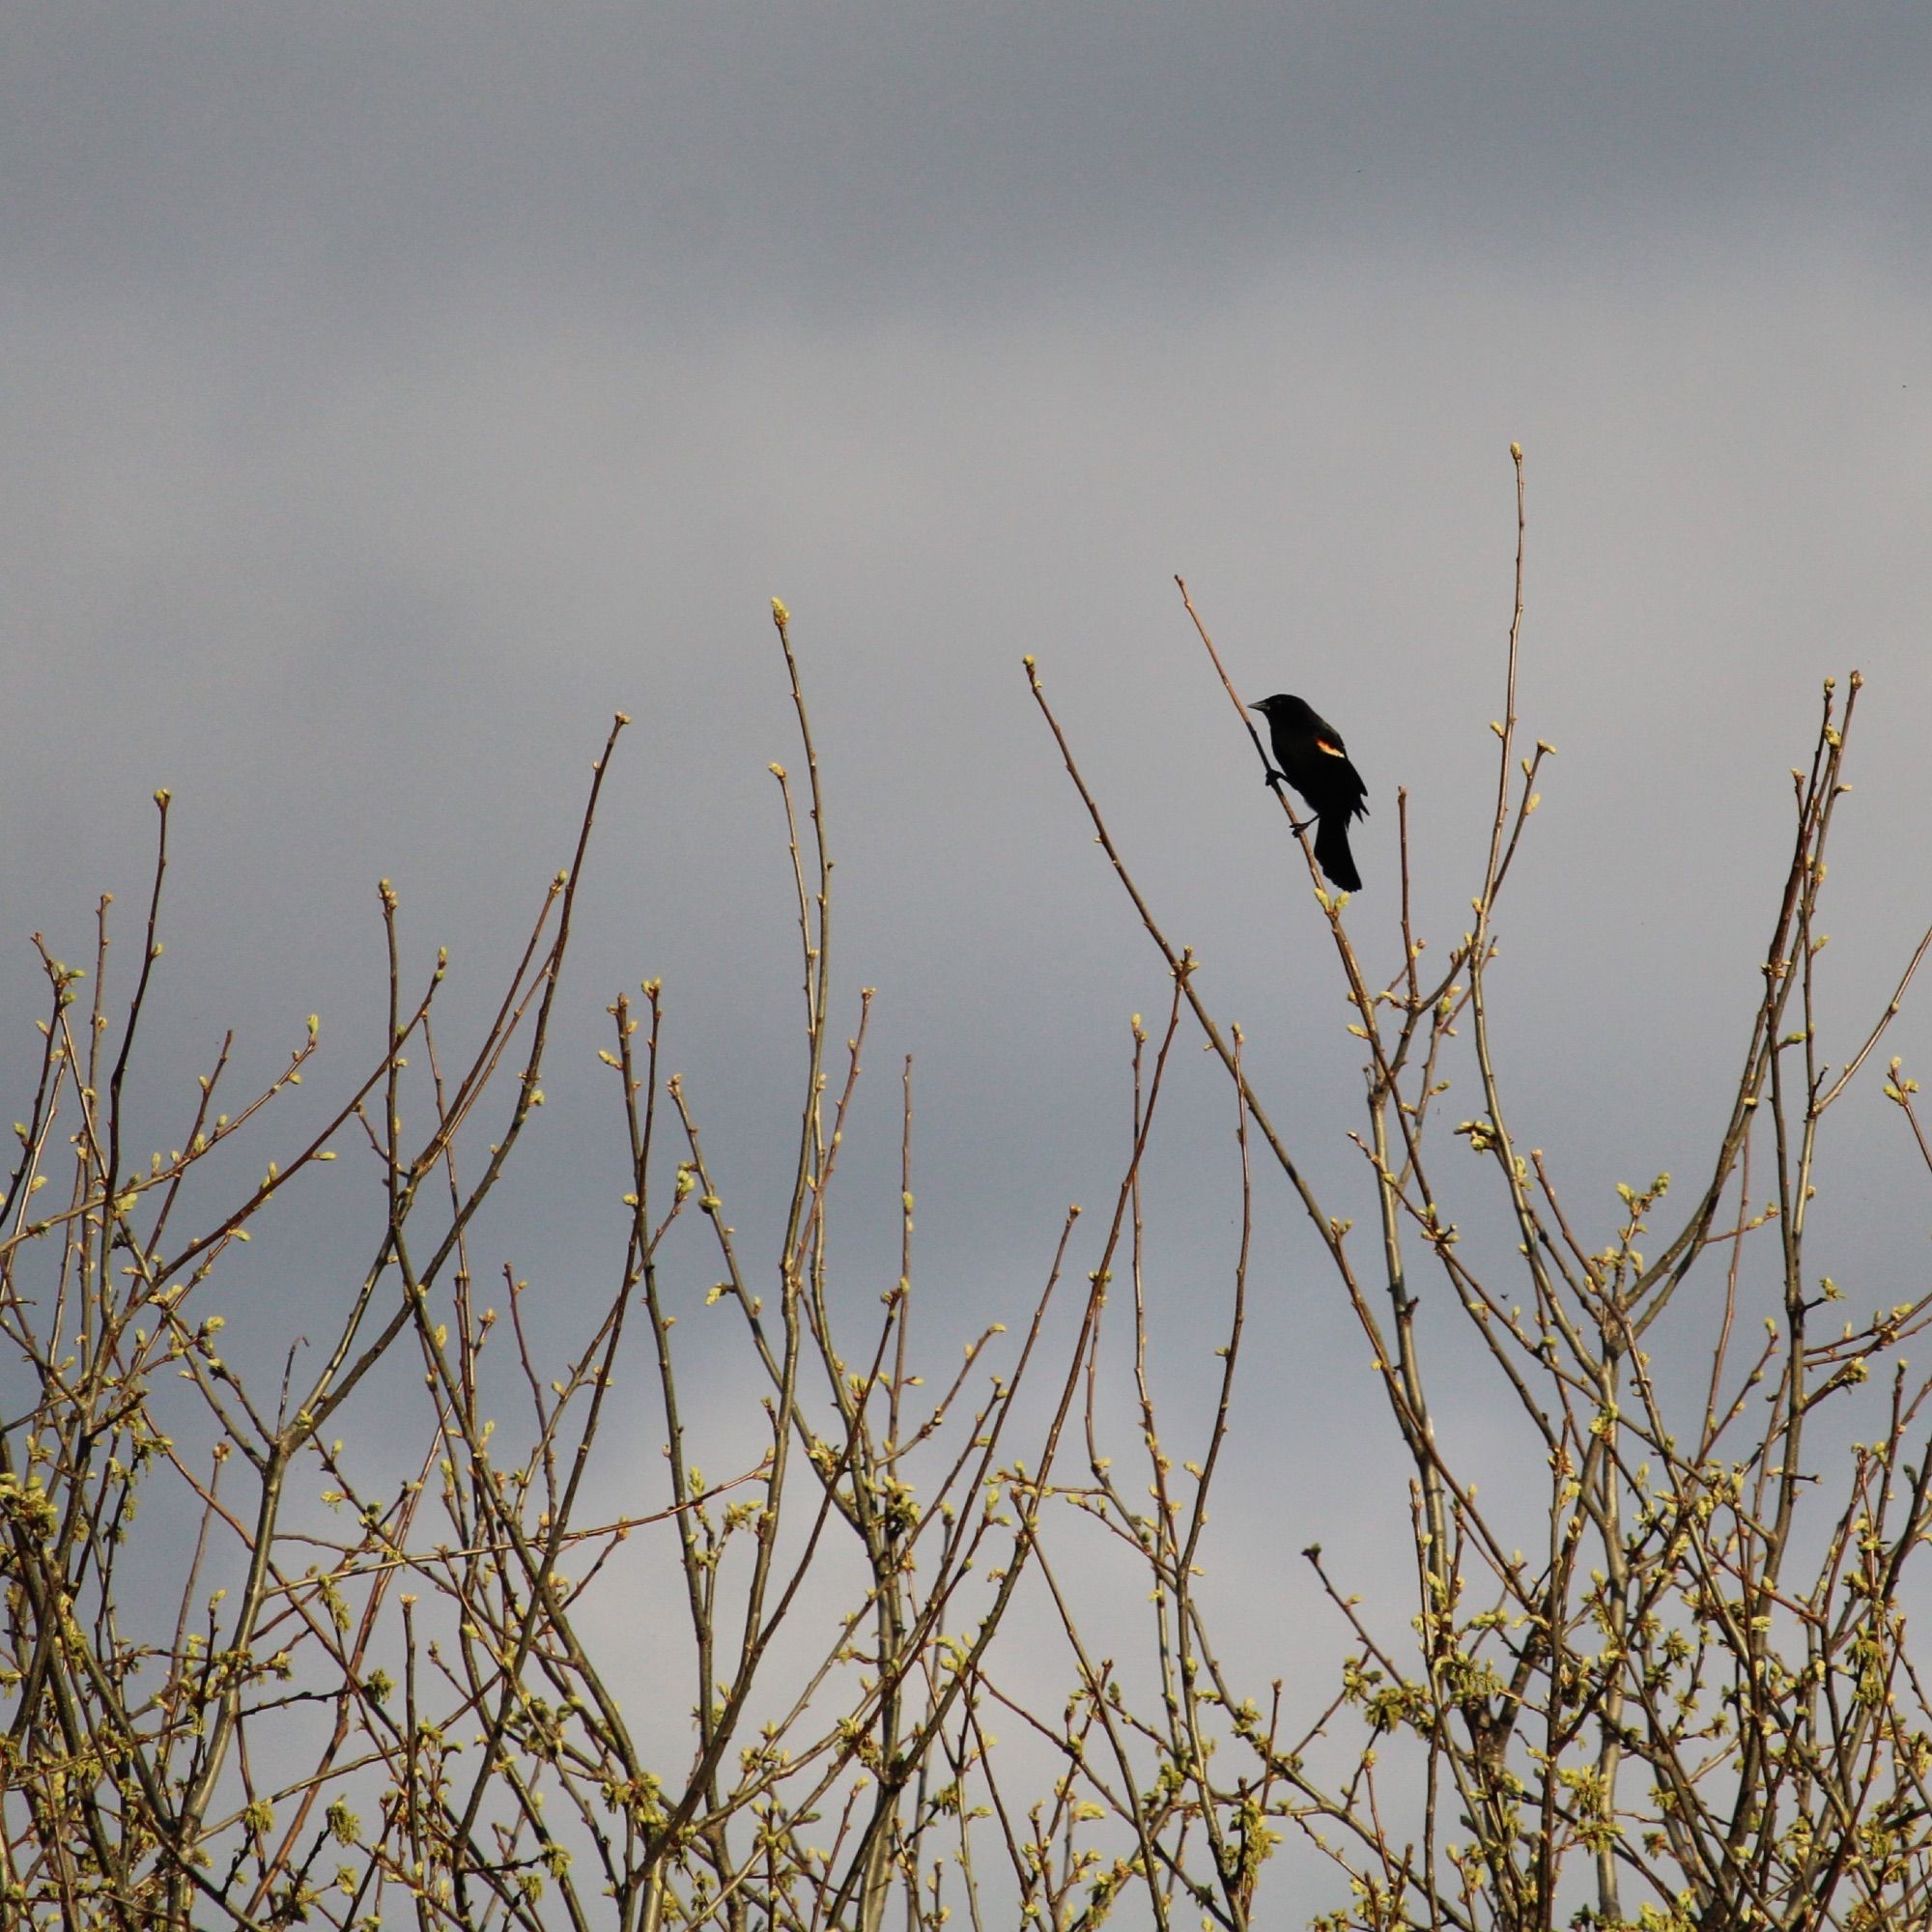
x=1256 y=707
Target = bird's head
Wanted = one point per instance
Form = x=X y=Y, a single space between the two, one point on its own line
x=1281 y=706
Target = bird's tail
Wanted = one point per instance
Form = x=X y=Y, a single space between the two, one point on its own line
x=1332 y=854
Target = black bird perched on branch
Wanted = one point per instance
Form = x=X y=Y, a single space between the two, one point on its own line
x=1314 y=760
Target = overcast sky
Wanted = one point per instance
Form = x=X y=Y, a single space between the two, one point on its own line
x=391 y=397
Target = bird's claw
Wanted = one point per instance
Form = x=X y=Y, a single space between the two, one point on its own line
x=1274 y=780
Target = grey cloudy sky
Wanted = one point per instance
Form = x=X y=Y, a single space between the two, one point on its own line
x=391 y=395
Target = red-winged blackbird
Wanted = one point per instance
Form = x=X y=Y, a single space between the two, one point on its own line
x=1314 y=760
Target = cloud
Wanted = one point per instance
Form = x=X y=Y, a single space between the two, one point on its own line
x=840 y=163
